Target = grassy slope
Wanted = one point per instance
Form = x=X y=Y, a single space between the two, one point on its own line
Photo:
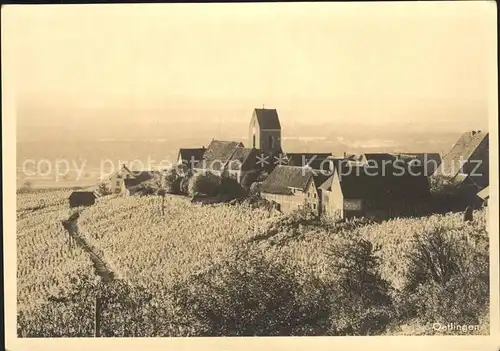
x=157 y=250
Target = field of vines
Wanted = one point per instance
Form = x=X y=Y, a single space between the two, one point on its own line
x=155 y=249
x=44 y=261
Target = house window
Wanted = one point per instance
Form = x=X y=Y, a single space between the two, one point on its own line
x=117 y=191
x=117 y=183
x=314 y=195
x=271 y=142
x=314 y=206
x=118 y=176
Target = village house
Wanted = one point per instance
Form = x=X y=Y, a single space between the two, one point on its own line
x=292 y=188
x=229 y=159
x=467 y=164
x=190 y=157
x=124 y=180
x=357 y=191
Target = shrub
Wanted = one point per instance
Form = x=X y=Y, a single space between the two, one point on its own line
x=448 y=278
x=248 y=295
x=204 y=183
x=230 y=189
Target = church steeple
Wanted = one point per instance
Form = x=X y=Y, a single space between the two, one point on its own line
x=265 y=131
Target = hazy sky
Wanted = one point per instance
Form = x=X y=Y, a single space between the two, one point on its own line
x=422 y=62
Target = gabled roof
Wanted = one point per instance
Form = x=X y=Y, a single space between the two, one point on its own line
x=217 y=154
x=461 y=151
x=283 y=178
x=267 y=118
x=242 y=159
x=314 y=160
x=122 y=169
x=196 y=154
x=82 y=195
x=319 y=178
x=327 y=184
x=139 y=177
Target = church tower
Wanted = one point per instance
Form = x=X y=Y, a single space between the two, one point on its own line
x=265 y=131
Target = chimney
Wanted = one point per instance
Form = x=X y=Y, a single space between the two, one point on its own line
x=345 y=154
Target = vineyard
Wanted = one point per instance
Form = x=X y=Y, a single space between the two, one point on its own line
x=45 y=263
x=189 y=269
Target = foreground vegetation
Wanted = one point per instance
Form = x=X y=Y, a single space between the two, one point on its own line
x=227 y=269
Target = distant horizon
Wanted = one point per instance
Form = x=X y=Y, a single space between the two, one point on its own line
x=320 y=63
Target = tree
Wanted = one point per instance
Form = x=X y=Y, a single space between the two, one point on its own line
x=170 y=181
x=103 y=189
x=255 y=188
x=205 y=183
x=362 y=303
x=184 y=185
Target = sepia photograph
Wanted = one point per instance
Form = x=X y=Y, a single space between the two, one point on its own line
x=250 y=170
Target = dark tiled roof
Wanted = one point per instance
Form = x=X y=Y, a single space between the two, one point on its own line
x=378 y=157
x=218 y=154
x=429 y=160
x=243 y=159
x=463 y=150
x=82 y=195
x=362 y=182
x=191 y=154
x=314 y=160
x=139 y=177
x=267 y=118
x=282 y=178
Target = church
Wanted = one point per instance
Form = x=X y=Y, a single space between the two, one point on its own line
x=233 y=159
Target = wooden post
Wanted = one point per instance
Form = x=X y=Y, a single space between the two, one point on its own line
x=163 y=205
x=97 y=320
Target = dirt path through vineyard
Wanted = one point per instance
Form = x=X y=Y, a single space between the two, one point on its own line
x=101 y=268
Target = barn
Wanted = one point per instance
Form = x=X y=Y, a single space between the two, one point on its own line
x=82 y=198
x=360 y=192
x=190 y=157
